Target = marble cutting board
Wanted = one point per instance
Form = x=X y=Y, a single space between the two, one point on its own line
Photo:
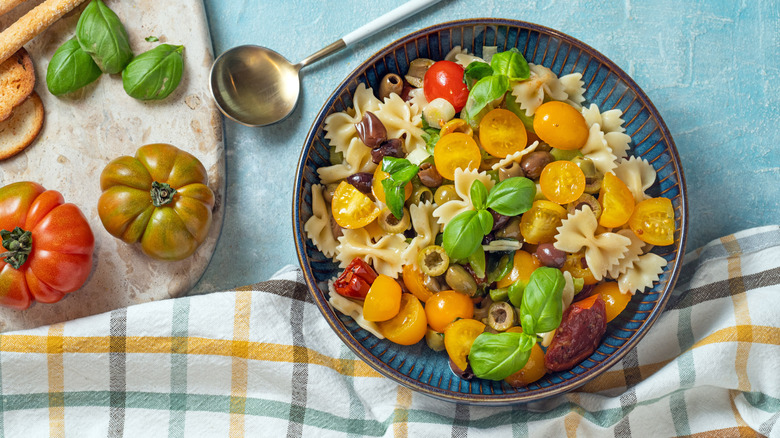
x=85 y=130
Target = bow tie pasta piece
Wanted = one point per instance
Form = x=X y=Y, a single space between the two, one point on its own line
x=318 y=227
x=426 y=228
x=598 y=151
x=638 y=174
x=611 y=124
x=602 y=251
x=516 y=157
x=357 y=158
x=635 y=249
x=340 y=127
x=463 y=180
x=402 y=120
x=385 y=255
x=542 y=82
x=574 y=87
x=642 y=274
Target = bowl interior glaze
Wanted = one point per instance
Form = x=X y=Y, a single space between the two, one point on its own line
x=609 y=87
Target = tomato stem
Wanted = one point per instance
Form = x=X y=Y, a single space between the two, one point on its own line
x=162 y=193
x=19 y=245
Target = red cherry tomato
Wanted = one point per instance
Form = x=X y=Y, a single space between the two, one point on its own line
x=444 y=79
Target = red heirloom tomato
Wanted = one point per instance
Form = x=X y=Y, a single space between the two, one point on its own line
x=444 y=79
x=47 y=246
x=160 y=198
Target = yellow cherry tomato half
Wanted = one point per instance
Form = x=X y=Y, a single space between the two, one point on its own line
x=351 y=208
x=560 y=125
x=458 y=339
x=523 y=264
x=453 y=151
x=502 y=133
x=409 y=326
x=653 y=221
x=414 y=280
x=562 y=182
x=538 y=225
x=614 y=300
x=576 y=266
x=617 y=202
x=533 y=370
x=383 y=300
x=446 y=306
x=379 y=190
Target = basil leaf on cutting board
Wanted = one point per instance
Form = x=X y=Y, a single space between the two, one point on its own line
x=154 y=74
x=70 y=69
x=102 y=36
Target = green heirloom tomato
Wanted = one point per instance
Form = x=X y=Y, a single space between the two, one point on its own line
x=159 y=198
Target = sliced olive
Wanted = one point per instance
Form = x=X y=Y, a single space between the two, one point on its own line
x=460 y=280
x=435 y=340
x=335 y=157
x=390 y=224
x=511 y=230
x=433 y=260
x=482 y=308
x=417 y=69
x=456 y=125
x=421 y=194
x=585 y=199
x=563 y=154
x=432 y=284
x=444 y=194
x=593 y=186
x=512 y=171
x=429 y=176
x=391 y=83
x=501 y=316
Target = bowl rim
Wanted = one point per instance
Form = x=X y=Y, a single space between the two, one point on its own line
x=472 y=398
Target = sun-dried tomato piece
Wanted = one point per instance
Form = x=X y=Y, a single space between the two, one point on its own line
x=356 y=279
x=582 y=326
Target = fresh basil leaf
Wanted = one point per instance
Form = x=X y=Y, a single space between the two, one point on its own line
x=462 y=235
x=476 y=71
x=477 y=262
x=404 y=175
x=70 y=69
x=496 y=356
x=153 y=75
x=515 y=293
x=394 y=197
x=102 y=36
x=542 y=307
x=478 y=194
x=431 y=137
x=151 y=39
x=486 y=220
x=512 y=196
x=392 y=164
x=486 y=90
x=500 y=267
x=511 y=64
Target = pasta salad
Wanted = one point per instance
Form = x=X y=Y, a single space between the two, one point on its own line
x=481 y=205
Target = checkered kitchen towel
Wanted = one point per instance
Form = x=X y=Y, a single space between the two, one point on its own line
x=261 y=361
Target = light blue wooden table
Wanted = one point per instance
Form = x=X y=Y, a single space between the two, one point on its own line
x=710 y=67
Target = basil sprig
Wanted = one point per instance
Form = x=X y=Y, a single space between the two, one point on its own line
x=541 y=309
x=496 y=356
x=154 y=74
x=70 y=69
x=487 y=83
x=401 y=171
x=430 y=135
x=464 y=233
x=102 y=35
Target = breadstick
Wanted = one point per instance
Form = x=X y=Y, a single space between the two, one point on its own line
x=33 y=23
x=7 y=5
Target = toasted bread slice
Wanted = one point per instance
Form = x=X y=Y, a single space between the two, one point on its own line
x=17 y=79
x=20 y=130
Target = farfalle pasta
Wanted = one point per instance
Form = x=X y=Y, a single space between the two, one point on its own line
x=522 y=203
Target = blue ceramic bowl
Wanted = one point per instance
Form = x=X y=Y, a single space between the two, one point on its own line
x=426 y=371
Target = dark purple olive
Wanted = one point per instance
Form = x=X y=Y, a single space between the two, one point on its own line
x=499 y=220
x=429 y=176
x=466 y=374
x=550 y=256
x=362 y=181
x=391 y=148
x=534 y=163
x=586 y=291
x=371 y=130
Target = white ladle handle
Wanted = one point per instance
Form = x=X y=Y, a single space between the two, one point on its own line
x=406 y=10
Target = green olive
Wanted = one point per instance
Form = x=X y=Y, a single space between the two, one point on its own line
x=445 y=193
x=433 y=260
x=335 y=157
x=593 y=186
x=501 y=316
x=511 y=230
x=509 y=172
x=460 y=280
x=585 y=199
x=390 y=224
x=435 y=340
x=588 y=168
x=421 y=194
x=563 y=154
